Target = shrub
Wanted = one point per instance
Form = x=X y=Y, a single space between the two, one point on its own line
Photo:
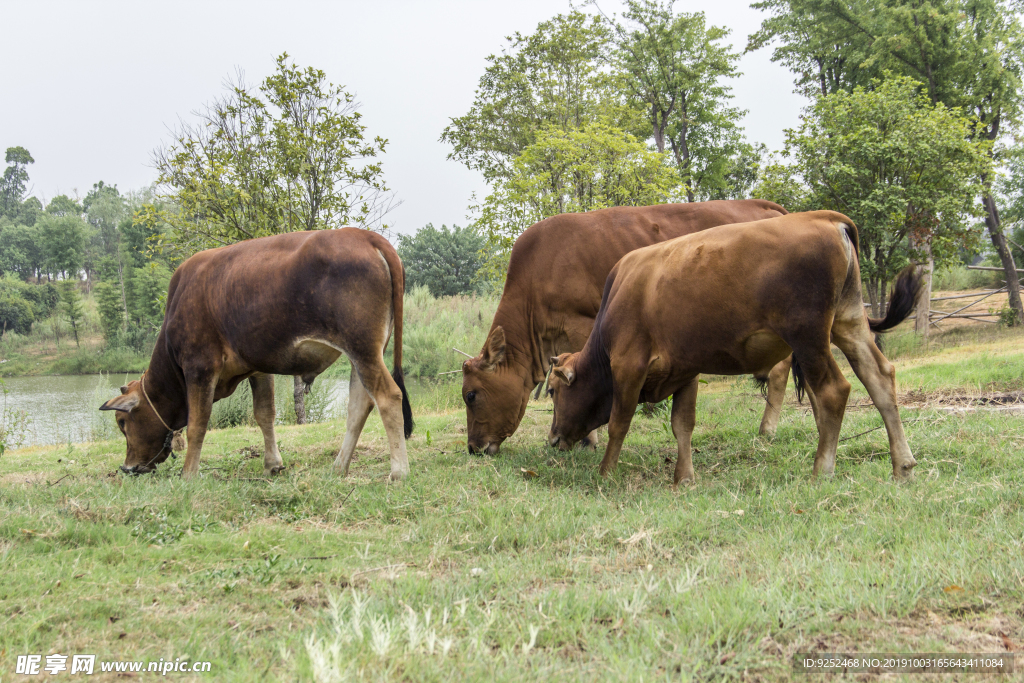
x=957 y=278
x=16 y=314
x=434 y=325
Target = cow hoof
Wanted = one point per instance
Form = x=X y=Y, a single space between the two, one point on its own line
x=398 y=475
x=271 y=471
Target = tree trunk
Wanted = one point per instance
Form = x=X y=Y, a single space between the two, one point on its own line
x=923 y=303
x=299 y=393
x=995 y=231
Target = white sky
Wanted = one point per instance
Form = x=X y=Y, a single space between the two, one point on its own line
x=90 y=88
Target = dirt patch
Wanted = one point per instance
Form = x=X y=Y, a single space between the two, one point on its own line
x=961 y=401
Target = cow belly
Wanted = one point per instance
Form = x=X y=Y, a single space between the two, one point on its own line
x=762 y=351
x=312 y=356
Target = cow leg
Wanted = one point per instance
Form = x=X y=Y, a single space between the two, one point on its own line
x=624 y=402
x=879 y=377
x=199 y=395
x=777 y=380
x=828 y=392
x=590 y=441
x=263 y=409
x=388 y=397
x=360 y=403
x=684 y=417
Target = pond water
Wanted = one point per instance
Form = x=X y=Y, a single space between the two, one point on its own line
x=65 y=408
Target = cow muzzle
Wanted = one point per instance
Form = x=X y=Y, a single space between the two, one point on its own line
x=490 y=448
x=136 y=470
x=559 y=442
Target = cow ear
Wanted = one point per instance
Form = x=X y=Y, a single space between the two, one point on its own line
x=565 y=374
x=125 y=403
x=494 y=348
x=553 y=360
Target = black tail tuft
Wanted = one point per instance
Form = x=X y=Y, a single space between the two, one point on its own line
x=762 y=385
x=406 y=407
x=798 y=379
x=901 y=300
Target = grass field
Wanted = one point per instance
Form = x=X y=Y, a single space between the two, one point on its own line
x=527 y=565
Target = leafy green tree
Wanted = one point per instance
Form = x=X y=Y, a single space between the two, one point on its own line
x=676 y=67
x=445 y=261
x=594 y=167
x=71 y=309
x=901 y=168
x=14 y=180
x=28 y=212
x=63 y=205
x=289 y=155
x=968 y=53
x=20 y=250
x=105 y=208
x=110 y=305
x=63 y=238
x=553 y=78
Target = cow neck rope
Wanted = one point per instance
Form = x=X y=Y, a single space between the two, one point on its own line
x=143 y=383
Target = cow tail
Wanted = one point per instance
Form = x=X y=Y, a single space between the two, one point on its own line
x=901 y=300
x=798 y=380
x=397 y=305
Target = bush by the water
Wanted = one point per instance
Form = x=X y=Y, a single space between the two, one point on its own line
x=22 y=304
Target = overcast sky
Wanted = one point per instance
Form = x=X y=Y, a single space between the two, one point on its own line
x=91 y=88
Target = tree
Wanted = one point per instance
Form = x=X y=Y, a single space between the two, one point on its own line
x=899 y=166
x=591 y=168
x=14 y=180
x=968 y=53
x=63 y=239
x=20 y=250
x=110 y=306
x=63 y=205
x=675 y=68
x=445 y=261
x=289 y=155
x=71 y=309
x=551 y=79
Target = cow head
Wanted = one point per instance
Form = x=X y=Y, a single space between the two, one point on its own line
x=148 y=440
x=495 y=396
x=575 y=402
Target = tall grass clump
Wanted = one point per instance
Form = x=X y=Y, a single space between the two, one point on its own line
x=434 y=325
x=958 y=278
x=236 y=409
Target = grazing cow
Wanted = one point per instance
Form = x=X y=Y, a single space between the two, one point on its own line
x=556 y=274
x=732 y=300
x=284 y=305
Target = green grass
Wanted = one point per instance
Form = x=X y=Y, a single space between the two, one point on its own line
x=528 y=565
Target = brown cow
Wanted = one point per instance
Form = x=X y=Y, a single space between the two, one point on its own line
x=556 y=274
x=283 y=305
x=732 y=300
